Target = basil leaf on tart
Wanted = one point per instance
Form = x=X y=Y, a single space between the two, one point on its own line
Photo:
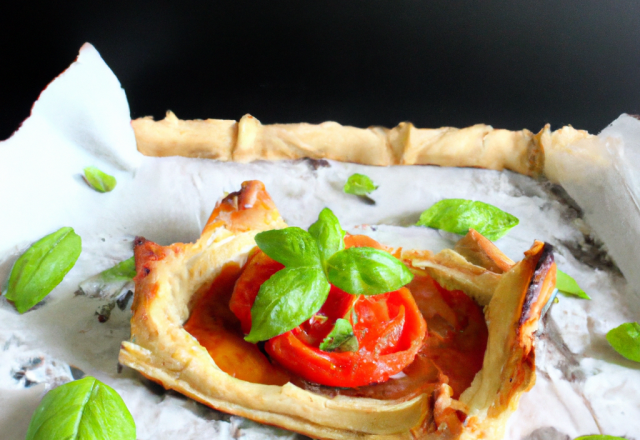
x=367 y=271
x=42 y=267
x=287 y=299
x=459 y=215
x=341 y=338
x=85 y=409
x=293 y=247
x=566 y=284
x=359 y=185
x=625 y=339
x=328 y=234
x=99 y=180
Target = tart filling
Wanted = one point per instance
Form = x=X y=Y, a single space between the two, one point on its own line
x=388 y=337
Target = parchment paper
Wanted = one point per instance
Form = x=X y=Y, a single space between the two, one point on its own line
x=82 y=119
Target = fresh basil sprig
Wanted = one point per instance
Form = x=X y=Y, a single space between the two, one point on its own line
x=341 y=338
x=599 y=437
x=566 y=284
x=286 y=300
x=459 y=215
x=625 y=339
x=84 y=409
x=328 y=234
x=293 y=247
x=367 y=271
x=294 y=294
x=359 y=185
x=98 y=180
x=42 y=267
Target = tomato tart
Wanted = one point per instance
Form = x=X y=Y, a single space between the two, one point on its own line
x=445 y=357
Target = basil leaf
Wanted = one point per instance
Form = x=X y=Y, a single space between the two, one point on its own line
x=625 y=339
x=111 y=282
x=42 y=267
x=293 y=247
x=84 y=409
x=98 y=180
x=328 y=234
x=458 y=215
x=287 y=299
x=367 y=271
x=599 y=437
x=341 y=338
x=359 y=185
x=123 y=271
x=566 y=284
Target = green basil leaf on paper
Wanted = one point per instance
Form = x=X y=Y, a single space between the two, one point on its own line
x=42 y=267
x=84 y=409
x=328 y=234
x=359 y=185
x=625 y=339
x=458 y=215
x=367 y=271
x=98 y=180
x=293 y=247
x=599 y=437
x=110 y=283
x=123 y=271
x=566 y=284
x=341 y=338
x=287 y=299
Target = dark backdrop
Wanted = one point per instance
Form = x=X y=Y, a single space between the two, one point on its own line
x=510 y=64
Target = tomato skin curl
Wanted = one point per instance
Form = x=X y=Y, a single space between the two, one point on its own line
x=385 y=349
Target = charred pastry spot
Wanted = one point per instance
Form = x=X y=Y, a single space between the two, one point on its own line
x=146 y=270
x=543 y=266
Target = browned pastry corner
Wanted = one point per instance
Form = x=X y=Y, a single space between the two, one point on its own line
x=247 y=140
x=171 y=278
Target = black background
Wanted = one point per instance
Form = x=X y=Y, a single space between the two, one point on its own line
x=505 y=63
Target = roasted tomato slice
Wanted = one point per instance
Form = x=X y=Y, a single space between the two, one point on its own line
x=389 y=329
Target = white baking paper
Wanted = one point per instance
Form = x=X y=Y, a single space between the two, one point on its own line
x=82 y=119
x=602 y=175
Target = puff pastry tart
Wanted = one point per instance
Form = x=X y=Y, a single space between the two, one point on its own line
x=463 y=380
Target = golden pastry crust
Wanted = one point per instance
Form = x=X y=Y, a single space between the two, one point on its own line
x=171 y=278
x=248 y=140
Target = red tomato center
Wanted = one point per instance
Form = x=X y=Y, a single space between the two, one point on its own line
x=389 y=329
